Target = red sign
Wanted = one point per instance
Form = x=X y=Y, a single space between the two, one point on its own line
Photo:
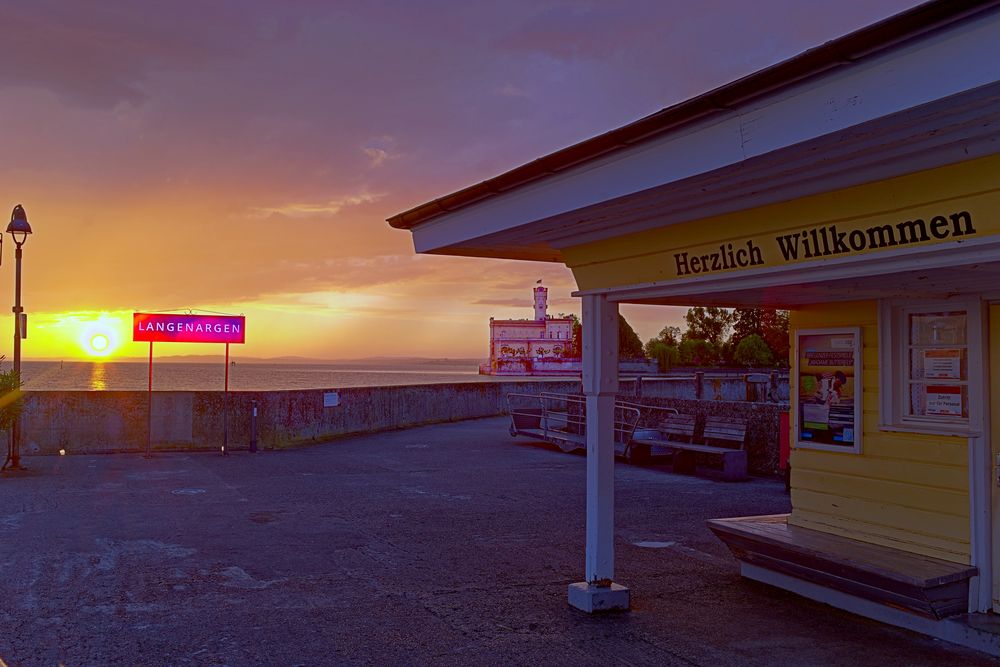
x=171 y=328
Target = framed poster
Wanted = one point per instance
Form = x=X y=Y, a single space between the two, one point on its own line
x=827 y=373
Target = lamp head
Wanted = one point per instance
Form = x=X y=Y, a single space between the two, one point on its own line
x=19 y=227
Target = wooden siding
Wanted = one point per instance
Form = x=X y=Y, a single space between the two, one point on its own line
x=904 y=490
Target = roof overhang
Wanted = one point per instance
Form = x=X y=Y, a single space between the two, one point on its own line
x=894 y=98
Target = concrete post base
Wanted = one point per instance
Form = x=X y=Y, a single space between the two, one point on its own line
x=593 y=599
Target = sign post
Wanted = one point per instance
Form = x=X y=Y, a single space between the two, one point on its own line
x=225 y=408
x=149 y=407
x=188 y=328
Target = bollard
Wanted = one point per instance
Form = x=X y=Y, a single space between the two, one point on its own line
x=253 y=426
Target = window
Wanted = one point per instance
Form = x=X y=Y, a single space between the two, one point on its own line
x=937 y=375
x=927 y=378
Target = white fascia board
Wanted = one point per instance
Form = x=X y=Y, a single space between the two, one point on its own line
x=933 y=67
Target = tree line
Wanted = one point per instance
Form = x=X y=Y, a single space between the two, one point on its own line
x=754 y=337
x=749 y=337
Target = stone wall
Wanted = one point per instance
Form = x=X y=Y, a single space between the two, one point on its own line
x=713 y=386
x=116 y=421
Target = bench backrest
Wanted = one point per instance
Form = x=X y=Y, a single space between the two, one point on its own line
x=678 y=427
x=725 y=431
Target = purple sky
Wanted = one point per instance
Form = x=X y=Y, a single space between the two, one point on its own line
x=243 y=155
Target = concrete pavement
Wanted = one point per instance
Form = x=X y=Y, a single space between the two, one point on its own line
x=449 y=544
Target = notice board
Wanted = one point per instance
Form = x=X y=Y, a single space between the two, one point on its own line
x=828 y=389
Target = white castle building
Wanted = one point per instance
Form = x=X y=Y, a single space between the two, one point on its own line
x=540 y=346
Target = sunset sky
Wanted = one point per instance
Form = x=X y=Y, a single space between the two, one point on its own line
x=241 y=157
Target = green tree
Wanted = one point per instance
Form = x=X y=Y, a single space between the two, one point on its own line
x=746 y=322
x=775 y=334
x=666 y=356
x=575 y=350
x=698 y=352
x=669 y=336
x=768 y=323
x=709 y=324
x=629 y=345
x=11 y=399
x=753 y=351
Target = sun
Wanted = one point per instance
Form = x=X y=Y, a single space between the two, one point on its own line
x=97 y=337
x=99 y=344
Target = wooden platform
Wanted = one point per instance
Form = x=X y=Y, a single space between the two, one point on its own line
x=927 y=586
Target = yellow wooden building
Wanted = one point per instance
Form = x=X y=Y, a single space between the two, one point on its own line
x=858 y=185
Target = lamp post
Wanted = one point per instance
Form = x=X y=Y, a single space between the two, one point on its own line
x=18 y=230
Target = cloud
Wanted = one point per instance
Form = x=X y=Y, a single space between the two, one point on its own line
x=166 y=150
x=380 y=150
x=510 y=90
x=525 y=301
x=376 y=155
x=102 y=55
x=308 y=210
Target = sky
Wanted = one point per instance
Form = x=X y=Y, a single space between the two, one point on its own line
x=241 y=157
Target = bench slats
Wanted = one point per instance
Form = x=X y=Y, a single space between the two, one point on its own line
x=890 y=576
x=679 y=435
x=725 y=431
x=681 y=426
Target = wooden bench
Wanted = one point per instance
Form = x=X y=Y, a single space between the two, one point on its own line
x=678 y=433
x=927 y=586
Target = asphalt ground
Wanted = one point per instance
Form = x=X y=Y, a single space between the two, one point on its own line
x=441 y=545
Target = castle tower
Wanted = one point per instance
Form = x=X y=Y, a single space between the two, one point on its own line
x=541 y=302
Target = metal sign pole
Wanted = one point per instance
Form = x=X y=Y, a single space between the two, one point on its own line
x=149 y=407
x=225 y=408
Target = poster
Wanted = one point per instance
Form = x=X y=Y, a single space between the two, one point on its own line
x=943 y=364
x=828 y=370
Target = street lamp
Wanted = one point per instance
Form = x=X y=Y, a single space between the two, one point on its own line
x=18 y=230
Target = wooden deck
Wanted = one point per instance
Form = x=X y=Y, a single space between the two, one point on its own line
x=915 y=583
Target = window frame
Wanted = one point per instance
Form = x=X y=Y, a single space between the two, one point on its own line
x=894 y=366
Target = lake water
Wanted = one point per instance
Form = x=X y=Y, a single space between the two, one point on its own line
x=167 y=376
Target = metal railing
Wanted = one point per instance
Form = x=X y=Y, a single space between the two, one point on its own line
x=562 y=418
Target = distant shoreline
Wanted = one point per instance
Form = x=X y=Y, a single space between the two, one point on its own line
x=368 y=362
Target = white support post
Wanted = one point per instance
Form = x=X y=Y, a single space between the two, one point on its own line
x=600 y=384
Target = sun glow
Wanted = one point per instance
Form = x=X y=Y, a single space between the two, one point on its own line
x=99 y=337
x=99 y=343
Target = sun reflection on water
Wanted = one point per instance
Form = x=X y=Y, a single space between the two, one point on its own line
x=98 y=377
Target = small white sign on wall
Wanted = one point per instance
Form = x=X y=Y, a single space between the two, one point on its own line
x=331 y=399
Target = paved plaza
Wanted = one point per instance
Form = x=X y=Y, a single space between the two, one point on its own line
x=441 y=545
